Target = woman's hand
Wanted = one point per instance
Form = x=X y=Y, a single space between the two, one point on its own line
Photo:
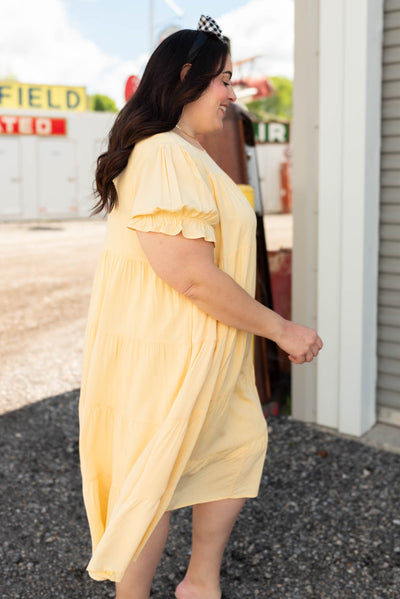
x=302 y=344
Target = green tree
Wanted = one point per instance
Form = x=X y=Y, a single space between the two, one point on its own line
x=102 y=103
x=279 y=104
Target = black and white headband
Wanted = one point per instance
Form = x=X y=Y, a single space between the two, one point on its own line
x=206 y=26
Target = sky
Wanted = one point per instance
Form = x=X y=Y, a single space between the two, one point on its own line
x=99 y=43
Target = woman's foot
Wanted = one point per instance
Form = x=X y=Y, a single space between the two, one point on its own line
x=188 y=590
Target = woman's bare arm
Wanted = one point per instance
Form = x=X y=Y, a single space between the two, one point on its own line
x=188 y=266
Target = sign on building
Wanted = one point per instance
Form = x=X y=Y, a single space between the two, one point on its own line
x=277 y=133
x=14 y=94
x=30 y=125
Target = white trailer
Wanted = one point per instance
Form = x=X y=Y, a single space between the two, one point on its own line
x=47 y=162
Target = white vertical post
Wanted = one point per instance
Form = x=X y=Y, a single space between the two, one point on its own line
x=348 y=198
x=330 y=175
x=336 y=180
x=360 y=209
x=305 y=196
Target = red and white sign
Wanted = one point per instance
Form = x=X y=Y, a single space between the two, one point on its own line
x=30 y=125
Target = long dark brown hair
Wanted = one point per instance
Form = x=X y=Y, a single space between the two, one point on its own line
x=157 y=104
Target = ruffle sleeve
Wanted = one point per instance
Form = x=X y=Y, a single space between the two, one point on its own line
x=171 y=193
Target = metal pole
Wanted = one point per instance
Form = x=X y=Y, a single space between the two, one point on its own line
x=151 y=7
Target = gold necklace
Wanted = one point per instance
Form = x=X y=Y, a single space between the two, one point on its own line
x=188 y=134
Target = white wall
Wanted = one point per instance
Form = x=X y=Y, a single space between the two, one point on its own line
x=336 y=206
x=55 y=173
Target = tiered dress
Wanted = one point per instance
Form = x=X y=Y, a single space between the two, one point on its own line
x=169 y=411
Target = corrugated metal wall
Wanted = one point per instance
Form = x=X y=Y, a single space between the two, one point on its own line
x=388 y=385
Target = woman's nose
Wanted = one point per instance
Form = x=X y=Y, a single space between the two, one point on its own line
x=231 y=96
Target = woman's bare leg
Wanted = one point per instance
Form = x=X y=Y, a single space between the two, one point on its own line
x=136 y=583
x=212 y=525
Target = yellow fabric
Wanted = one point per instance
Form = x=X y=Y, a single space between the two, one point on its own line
x=169 y=411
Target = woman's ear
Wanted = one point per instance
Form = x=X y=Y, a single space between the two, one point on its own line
x=184 y=70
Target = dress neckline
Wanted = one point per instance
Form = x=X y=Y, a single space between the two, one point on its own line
x=202 y=150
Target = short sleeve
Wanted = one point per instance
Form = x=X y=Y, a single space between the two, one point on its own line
x=171 y=193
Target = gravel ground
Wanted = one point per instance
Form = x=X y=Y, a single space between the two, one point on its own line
x=326 y=524
x=46 y=275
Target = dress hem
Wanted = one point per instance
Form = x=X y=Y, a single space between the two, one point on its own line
x=103 y=575
x=221 y=498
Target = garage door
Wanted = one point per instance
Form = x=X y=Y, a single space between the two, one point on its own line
x=57 y=170
x=10 y=178
x=388 y=383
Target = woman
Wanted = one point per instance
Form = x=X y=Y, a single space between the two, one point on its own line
x=169 y=411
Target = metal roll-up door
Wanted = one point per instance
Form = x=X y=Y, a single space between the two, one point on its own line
x=388 y=383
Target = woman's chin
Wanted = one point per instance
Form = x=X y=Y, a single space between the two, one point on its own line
x=219 y=124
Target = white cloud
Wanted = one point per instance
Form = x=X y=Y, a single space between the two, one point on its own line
x=39 y=45
x=262 y=27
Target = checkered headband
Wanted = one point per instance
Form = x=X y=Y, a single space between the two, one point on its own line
x=208 y=25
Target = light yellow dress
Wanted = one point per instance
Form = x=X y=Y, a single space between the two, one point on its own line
x=169 y=411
